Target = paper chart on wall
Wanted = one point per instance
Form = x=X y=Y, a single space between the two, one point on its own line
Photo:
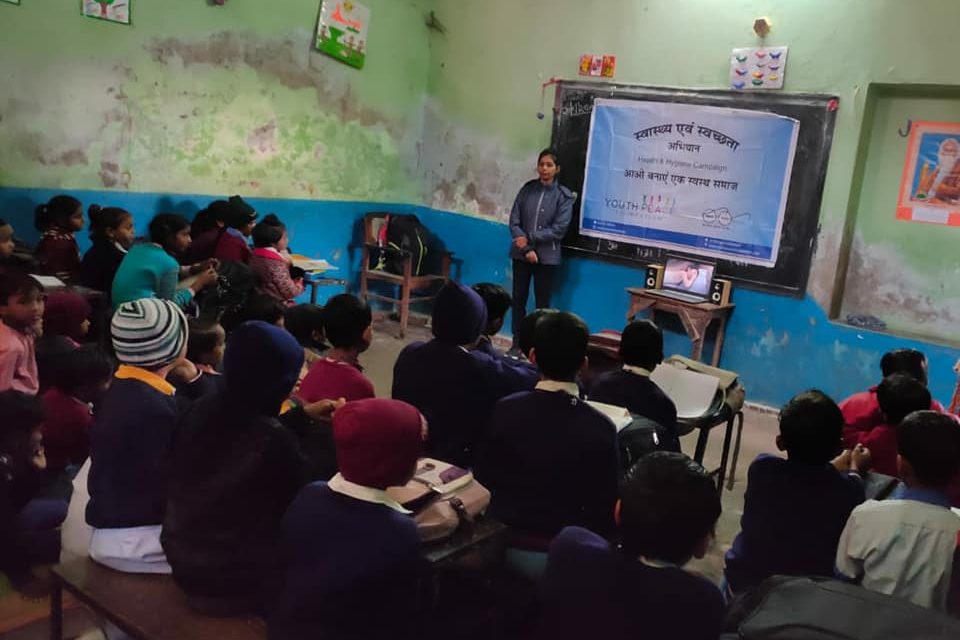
x=342 y=31
x=930 y=183
x=109 y=10
x=754 y=68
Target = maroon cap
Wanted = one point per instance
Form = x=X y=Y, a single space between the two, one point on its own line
x=378 y=441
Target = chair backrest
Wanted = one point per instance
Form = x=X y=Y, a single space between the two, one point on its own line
x=372 y=223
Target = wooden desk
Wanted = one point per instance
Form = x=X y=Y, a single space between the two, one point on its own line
x=317 y=279
x=147 y=607
x=696 y=318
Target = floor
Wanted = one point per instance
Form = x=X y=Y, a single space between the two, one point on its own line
x=759 y=431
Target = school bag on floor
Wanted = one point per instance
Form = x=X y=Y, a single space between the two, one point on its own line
x=401 y=235
x=799 y=608
x=443 y=497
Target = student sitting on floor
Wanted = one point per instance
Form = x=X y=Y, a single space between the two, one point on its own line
x=351 y=554
x=21 y=319
x=270 y=265
x=498 y=302
x=83 y=375
x=899 y=395
x=200 y=375
x=257 y=307
x=28 y=523
x=524 y=338
x=234 y=468
x=205 y=231
x=347 y=321
x=795 y=509
x=906 y=547
x=151 y=270
x=667 y=513
x=641 y=349
x=305 y=323
x=452 y=385
x=861 y=411
x=238 y=225
x=57 y=253
x=112 y=233
x=132 y=432
x=549 y=459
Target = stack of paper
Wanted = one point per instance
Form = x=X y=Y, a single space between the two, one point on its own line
x=691 y=391
x=310 y=264
x=49 y=282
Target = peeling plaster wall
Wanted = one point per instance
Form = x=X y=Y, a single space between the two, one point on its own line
x=481 y=136
x=201 y=99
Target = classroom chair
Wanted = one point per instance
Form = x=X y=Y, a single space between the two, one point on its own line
x=407 y=282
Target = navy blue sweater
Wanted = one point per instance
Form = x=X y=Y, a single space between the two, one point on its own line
x=352 y=569
x=592 y=591
x=455 y=390
x=639 y=394
x=793 y=515
x=131 y=435
x=550 y=461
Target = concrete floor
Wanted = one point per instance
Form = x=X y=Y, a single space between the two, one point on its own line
x=759 y=431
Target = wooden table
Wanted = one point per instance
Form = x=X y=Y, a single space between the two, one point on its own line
x=317 y=279
x=696 y=317
x=147 y=607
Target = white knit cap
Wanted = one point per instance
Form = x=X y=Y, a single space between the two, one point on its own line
x=148 y=333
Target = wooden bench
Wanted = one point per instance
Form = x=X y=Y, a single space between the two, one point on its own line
x=152 y=607
x=147 y=607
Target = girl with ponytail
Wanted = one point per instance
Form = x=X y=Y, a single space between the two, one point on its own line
x=112 y=233
x=57 y=253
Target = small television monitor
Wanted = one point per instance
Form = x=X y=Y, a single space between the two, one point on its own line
x=689 y=276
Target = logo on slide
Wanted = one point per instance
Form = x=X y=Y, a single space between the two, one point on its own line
x=722 y=218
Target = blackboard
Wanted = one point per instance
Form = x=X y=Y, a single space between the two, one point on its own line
x=816 y=113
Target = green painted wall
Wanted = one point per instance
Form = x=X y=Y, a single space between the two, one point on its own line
x=481 y=134
x=199 y=99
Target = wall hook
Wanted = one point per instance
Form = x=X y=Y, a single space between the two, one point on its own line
x=904 y=134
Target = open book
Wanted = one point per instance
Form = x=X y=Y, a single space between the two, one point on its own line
x=310 y=264
x=692 y=392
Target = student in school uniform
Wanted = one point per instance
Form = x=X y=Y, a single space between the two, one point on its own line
x=270 y=264
x=81 y=379
x=57 y=253
x=641 y=349
x=66 y=323
x=151 y=270
x=861 y=411
x=305 y=323
x=498 y=302
x=205 y=231
x=524 y=338
x=28 y=520
x=112 y=234
x=205 y=346
x=235 y=466
x=666 y=515
x=347 y=321
x=351 y=555
x=132 y=432
x=795 y=508
x=21 y=320
x=906 y=547
x=454 y=386
x=550 y=459
x=899 y=395
x=238 y=225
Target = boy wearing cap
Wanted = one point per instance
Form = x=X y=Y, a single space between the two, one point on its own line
x=351 y=554
x=238 y=225
x=131 y=433
x=454 y=386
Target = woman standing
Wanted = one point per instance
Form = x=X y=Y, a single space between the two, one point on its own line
x=538 y=221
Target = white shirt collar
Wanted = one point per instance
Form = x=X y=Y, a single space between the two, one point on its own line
x=640 y=371
x=343 y=486
x=557 y=385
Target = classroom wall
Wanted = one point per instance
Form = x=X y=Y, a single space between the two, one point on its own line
x=481 y=137
x=200 y=101
x=194 y=98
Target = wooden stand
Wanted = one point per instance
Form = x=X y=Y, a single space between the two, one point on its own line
x=696 y=318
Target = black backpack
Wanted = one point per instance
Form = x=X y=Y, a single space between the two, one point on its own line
x=643 y=436
x=800 y=608
x=235 y=283
x=402 y=234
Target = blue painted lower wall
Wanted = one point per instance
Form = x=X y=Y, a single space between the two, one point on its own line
x=779 y=345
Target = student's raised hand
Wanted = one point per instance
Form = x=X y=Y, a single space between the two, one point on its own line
x=323 y=409
x=843 y=461
x=861 y=459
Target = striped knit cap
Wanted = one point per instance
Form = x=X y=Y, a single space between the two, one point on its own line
x=148 y=333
